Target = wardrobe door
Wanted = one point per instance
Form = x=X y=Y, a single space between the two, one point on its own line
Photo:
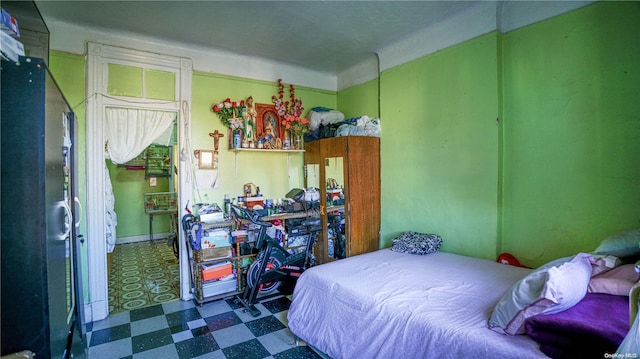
x=347 y=171
x=363 y=194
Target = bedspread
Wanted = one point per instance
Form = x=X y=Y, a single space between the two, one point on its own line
x=386 y=304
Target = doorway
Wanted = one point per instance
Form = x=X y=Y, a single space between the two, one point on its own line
x=102 y=62
x=143 y=268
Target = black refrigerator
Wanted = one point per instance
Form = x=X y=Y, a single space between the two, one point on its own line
x=40 y=290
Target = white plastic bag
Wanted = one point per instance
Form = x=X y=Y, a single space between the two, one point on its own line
x=364 y=126
x=311 y=195
x=324 y=116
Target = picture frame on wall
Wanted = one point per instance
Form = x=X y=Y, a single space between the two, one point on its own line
x=206 y=159
x=269 y=122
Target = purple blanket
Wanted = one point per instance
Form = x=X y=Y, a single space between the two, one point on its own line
x=593 y=327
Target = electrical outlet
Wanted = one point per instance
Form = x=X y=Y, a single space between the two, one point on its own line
x=153 y=181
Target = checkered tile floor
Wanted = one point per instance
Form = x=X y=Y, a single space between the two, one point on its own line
x=179 y=329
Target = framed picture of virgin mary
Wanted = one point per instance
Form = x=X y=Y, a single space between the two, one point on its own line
x=268 y=122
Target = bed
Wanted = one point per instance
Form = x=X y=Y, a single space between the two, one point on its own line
x=387 y=304
x=395 y=303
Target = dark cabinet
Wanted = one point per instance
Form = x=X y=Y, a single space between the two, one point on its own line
x=40 y=272
x=346 y=170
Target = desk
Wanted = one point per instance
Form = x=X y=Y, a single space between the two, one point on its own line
x=173 y=213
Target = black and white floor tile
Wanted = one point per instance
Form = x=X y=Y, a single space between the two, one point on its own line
x=182 y=329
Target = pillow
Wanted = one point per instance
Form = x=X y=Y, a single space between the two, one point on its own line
x=603 y=263
x=416 y=243
x=552 y=288
x=617 y=281
x=625 y=271
x=623 y=244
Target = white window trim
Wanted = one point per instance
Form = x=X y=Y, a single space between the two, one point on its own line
x=98 y=58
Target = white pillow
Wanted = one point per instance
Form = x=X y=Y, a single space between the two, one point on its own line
x=552 y=288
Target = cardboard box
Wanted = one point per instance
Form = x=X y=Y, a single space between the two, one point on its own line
x=214 y=253
x=216 y=271
x=215 y=239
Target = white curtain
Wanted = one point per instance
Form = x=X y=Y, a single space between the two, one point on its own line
x=111 y=219
x=129 y=131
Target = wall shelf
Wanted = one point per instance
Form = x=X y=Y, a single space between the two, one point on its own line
x=236 y=150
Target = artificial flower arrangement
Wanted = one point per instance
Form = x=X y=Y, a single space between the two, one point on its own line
x=290 y=111
x=230 y=112
x=294 y=107
x=297 y=125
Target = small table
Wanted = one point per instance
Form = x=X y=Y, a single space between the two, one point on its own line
x=173 y=214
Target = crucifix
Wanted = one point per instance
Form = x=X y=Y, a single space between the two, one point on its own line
x=216 y=137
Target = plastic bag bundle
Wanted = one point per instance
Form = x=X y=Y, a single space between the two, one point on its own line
x=364 y=126
x=324 y=116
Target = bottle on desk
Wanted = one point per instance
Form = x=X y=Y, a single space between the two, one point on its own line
x=227 y=205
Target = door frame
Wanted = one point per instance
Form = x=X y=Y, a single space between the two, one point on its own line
x=99 y=56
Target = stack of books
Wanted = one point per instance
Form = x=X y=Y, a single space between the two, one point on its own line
x=10 y=48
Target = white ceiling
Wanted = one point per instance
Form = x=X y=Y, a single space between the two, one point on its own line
x=325 y=36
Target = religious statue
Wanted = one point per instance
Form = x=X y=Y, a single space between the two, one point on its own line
x=250 y=115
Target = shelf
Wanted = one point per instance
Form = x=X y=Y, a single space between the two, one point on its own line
x=273 y=217
x=237 y=150
x=195 y=261
x=263 y=150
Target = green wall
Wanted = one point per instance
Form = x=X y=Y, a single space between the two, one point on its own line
x=129 y=187
x=359 y=100
x=525 y=142
x=572 y=131
x=439 y=147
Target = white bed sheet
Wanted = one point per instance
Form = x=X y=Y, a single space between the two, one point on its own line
x=386 y=304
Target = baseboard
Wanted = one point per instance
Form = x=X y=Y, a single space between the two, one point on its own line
x=142 y=238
